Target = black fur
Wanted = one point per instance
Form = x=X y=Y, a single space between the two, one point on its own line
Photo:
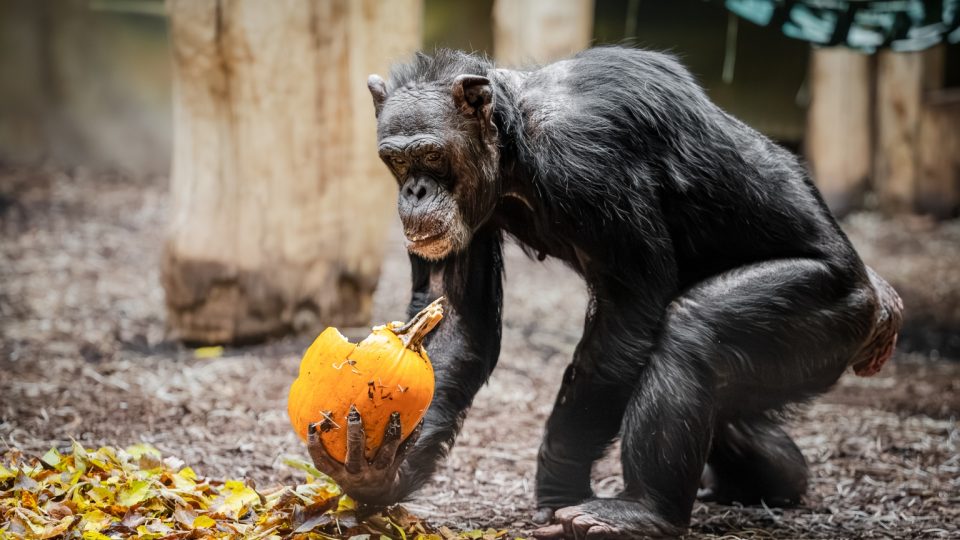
x=721 y=287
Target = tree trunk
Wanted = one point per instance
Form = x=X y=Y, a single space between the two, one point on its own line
x=838 y=125
x=279 y=202
x=532 y=31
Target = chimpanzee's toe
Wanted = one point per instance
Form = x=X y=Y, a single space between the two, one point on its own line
x=607 y=518
x=707 y=494
x=708 y=485
x=549 y=532
x=577 y=522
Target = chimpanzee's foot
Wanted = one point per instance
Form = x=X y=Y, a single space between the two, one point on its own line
x=750 y=495
x=753 y=462
x=607 y=518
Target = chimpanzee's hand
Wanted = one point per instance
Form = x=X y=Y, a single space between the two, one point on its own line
x=370 y=482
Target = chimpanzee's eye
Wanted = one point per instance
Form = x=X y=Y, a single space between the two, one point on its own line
x=432 y=157
x=398 y=162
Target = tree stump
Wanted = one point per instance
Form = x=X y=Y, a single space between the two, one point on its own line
x=279 y=202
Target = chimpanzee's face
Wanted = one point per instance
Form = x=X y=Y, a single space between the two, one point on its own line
x=444 y=164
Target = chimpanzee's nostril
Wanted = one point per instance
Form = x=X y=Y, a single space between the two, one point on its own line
x=415 y=191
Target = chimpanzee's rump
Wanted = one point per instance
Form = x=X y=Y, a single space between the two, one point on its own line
x=879 y=348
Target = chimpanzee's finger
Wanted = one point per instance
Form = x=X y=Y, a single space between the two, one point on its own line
x=391 y=441
x=409 y=442
x=318 y=452
x=550 y=532
x=356 y=440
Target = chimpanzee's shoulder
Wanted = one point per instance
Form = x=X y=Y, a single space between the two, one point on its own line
x=603 y=76
x=614 y=64
x=595 y=90
x=617 y=53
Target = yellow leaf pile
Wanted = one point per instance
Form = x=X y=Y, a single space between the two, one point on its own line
x=133 y=493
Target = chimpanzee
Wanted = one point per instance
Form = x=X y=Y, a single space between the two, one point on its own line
x=721 y=288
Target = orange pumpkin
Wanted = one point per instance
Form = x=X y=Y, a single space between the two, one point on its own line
x=387 y=372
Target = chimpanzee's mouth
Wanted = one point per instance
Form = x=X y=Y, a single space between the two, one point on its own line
x=421 y=240
x=431 y=245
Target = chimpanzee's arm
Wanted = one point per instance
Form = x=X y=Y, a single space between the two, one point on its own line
x=463 y=348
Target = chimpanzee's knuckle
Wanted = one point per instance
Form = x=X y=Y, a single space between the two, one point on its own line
x=567 y=513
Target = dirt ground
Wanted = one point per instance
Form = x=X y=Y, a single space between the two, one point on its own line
x=83 y=355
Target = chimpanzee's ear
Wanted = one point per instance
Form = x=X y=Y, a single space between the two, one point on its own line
x=473 y=96
x=378 y=89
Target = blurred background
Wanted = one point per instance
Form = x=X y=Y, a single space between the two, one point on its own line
x=203 y=173
x=256 y=117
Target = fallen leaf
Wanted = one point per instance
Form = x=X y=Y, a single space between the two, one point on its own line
x=138 y=450
x=204 y=522
x=208 y=352
x=134 y=493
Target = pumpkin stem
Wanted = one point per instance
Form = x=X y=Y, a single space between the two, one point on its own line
x=413 y=333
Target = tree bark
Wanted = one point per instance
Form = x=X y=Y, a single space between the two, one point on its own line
x=838 y=126
x=279 y=202
x=535 y=31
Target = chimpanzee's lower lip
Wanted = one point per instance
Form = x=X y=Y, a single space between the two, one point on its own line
x=426 y=240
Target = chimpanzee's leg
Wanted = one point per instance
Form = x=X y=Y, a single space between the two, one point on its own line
x=585 y=420
x=586 y=417
x=746 y=341
x=753 y=460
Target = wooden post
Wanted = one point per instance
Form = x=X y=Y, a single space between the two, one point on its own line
x=905 y=84
x=938 y=178
x=838 y=125
x=899 y=95
x=279 y=202
x=533 y=31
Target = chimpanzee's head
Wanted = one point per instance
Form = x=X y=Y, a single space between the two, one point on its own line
x=439 y=140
